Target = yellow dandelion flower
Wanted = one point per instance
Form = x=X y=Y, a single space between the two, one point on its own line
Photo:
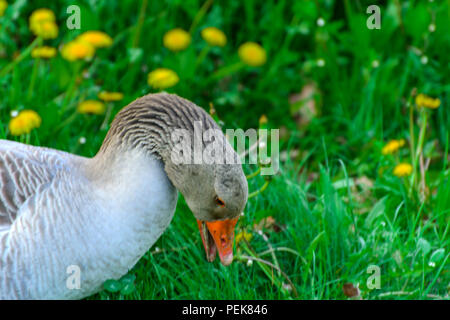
x=25 y=121
x=42 y=23
x=18 y=126
x=32 y=117
x=41 y=15
x=402 y=170
x=252 y=54
x=162 y=78
x=214 y=36
x=243 y=235
x=425 y=101
x=91 y=107
x=263 y=120
x=43 y=52
x=46 y=30
x=176 y=39
x=3 y=6
x=77 y=50
x=392 y=146
x=98 y=39
x=110 y=96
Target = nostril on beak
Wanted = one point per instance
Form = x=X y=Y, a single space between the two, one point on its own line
x=223 y=240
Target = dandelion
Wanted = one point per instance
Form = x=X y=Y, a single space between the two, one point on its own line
x=320 y=63
x=3 y=6
x=97 y=39
x=41 y=15
x=91 y=107
x=214 y=36
x=424 y=59
x=263 y=120
x=32 y=117
x=42 y=23
x=423 y=100
x=321 y=22
x=46 y=30
x=82 y=140
x=287 y=286
x=402 y=170
x=244 y=235
x=110 y=96
x=162 y=78
x=176 y=39
x=24 y=122
x=77 y=50
x=392 y=146
x=44 y=52
x=252 y=54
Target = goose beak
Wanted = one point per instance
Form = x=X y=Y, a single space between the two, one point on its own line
x=218 y=236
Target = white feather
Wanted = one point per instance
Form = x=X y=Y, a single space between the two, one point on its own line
x=59 y=210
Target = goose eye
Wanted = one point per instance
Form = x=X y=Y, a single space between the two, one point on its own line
x=219 y=201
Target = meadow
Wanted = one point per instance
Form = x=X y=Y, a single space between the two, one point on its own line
x=360 y=208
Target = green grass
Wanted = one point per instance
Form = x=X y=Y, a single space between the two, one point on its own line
x=327 y=249
x=336 y=204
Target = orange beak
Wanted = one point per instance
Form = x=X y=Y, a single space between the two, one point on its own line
x=218 y=236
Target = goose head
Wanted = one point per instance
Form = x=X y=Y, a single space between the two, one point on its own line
x=216 y=194
x=216 y=191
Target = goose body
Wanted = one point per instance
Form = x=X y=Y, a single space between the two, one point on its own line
x=100 y=214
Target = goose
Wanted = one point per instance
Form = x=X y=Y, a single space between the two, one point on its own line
x=102 y=214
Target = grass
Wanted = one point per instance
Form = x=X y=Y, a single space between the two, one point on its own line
x=326 y=250
x=335 y=208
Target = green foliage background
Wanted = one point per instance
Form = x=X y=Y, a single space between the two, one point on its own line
x=338 y=208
